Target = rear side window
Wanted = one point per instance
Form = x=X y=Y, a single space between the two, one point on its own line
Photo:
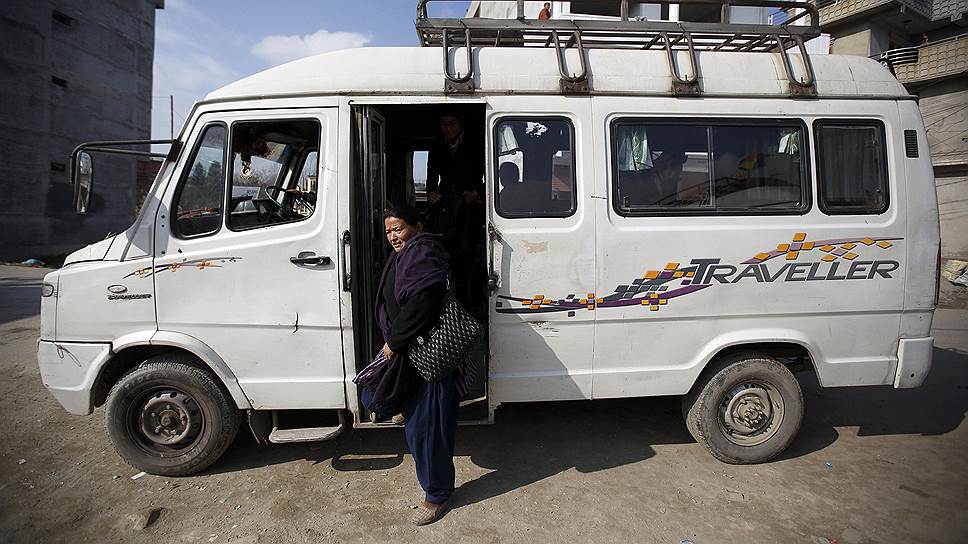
x=852 y=164
x=199 y=200
x=697 y=167
x=535 y=163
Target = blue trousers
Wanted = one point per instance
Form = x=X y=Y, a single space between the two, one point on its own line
x=431 y=428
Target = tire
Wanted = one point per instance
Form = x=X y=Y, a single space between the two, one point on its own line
x=747 y=409
x=169 y=417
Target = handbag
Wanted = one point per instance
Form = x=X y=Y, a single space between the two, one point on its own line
x=445 y=347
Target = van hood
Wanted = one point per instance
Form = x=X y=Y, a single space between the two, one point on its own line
x=94 y=252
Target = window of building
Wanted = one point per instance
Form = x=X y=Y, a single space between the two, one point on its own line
x=62 y=18
x=597 y=7
x=852 y=165
x=274 y=172
x=535 y=163
x=684 y=167
x=199 y=200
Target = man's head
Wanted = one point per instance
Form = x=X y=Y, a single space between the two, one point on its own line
x=547 y=6
x=451 y=125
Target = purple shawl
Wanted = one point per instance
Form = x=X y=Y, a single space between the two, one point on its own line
x=421 y=263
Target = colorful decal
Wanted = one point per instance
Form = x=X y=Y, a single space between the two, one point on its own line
x=198 y=264
x=657 y=287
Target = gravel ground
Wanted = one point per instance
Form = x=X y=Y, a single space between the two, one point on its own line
x=869 y=465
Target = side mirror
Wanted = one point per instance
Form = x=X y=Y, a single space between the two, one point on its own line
x=83 y=179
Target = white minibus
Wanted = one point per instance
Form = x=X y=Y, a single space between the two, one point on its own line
x=691 y=209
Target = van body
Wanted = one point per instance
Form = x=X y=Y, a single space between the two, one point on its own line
x=674 y=238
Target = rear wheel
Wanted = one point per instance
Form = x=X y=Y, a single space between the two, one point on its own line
x=169 y=417
x=746 y=410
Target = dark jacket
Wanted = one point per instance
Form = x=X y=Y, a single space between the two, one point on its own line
x=458 y=171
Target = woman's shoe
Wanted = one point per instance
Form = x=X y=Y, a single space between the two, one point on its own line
x=428 y=513
x=398 y=419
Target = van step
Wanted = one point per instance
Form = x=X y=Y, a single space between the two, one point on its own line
x=302 y=434
x=307 y=434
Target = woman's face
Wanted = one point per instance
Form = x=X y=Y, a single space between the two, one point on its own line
x=398 y=232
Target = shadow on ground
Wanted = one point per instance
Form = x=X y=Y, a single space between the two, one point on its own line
x=531 y=442
x=937 y=407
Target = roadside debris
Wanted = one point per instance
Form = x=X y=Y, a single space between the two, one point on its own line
x=33 y=262
x=22 y=462
x=956 y=272
x=144 y=518
x=138 y=475
x=830 y=466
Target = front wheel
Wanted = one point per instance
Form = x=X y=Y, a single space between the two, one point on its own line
x=746 y=411
x=170 y=418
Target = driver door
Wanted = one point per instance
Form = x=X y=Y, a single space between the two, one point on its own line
x=247 y=265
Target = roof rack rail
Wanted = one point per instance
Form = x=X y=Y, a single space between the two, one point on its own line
x=632 y=34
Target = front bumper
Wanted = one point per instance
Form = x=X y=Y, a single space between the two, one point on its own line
x=913 y=361
x=69 y=369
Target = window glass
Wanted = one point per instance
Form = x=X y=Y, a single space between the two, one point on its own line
x=758 y=168
x=535 y=168
x=274 y=172
x=853 y=167
x=418 y=164
x=663 y=167
x=199 y=208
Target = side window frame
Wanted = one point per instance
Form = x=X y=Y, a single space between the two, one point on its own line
x=858 y=122
x=806 y=181
x=187 y=171
x=574 y=165
x=287 y=173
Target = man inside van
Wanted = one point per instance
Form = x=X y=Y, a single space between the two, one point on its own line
x=455 y=191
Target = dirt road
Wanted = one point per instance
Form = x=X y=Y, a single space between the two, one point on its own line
x=869 y=465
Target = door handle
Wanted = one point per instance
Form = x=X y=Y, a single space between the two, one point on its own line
x=310 y=258
x=344 y=242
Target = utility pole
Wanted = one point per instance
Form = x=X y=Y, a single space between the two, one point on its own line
x=171 y=114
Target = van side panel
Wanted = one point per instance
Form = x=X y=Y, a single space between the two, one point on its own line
x=923 y=230
x=747 y=283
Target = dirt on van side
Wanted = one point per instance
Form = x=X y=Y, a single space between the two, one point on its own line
x=869 y=465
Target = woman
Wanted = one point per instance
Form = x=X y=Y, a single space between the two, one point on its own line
x=409 y=302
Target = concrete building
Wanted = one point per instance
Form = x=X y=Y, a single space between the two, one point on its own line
x=927 y=43
x=70 y=71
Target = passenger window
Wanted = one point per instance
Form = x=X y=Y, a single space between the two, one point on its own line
x=274 y=172
x=680 y=168
x=535 y=174
x=853 y=167
x=199 y=201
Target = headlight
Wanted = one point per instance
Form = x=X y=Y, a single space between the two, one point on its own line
x=48 y=290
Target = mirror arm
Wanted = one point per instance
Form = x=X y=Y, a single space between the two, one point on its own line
x=101 y=147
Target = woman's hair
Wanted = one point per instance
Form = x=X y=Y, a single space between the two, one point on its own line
x=405 y=212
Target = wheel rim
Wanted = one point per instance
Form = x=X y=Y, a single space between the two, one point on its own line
x=165 y=421
x=751 y=413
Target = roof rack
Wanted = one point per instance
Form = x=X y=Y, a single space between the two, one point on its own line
x=626 y=33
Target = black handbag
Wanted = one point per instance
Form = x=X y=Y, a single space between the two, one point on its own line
x=445 y=347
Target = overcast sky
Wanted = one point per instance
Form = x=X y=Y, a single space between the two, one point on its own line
x=202 y=45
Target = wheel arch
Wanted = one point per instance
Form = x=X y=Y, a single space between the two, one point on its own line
x=790 y=349
x=131 y=350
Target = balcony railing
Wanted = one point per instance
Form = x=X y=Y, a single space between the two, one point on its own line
x=913 y=65
x=837 y=10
